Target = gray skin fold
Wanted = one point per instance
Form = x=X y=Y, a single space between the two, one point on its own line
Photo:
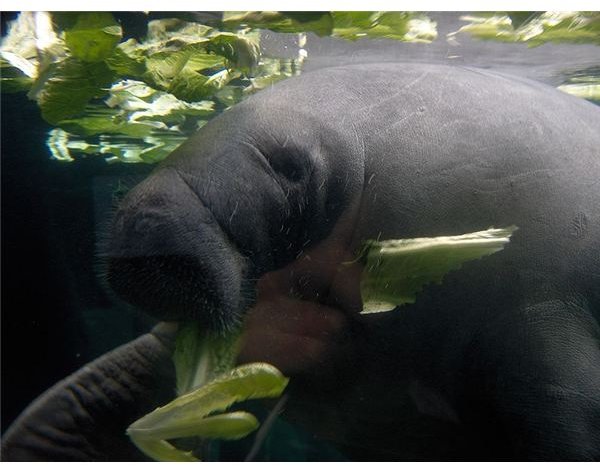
x=499 y=362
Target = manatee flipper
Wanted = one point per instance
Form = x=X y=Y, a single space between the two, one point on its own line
x=84 y=417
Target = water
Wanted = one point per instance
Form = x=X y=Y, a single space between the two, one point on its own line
x=57 y=315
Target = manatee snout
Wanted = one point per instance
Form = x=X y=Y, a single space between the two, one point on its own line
x=167 y=256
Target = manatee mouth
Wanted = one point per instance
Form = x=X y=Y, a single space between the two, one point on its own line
x=178 y=287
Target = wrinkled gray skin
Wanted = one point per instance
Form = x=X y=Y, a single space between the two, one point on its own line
x=501 y=361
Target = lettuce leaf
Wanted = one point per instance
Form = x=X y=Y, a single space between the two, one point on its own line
x=398 y=25
x=189 y=74
x=82 y=75
x=207 y=385
x=396 y=270
x=127 y=59
x=535 y=28
x=320 y=23
x=350 y=25
x=93 y=36
x=67 y=87
x=192 y=415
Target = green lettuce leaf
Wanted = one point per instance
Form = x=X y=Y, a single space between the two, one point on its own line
x=189 y=74
x=584 y=84
x=207 y=385
x=93 y=36
x=153 y=148
x=174 y=33
x=29 y=47
x=74 y=65
x=350 y=25
x=404 y=26
x=319 y=23
x=189 y=415
x=67 y=87
x=588 y=91
x=105 y=121
x=139 y=102
x=241 y=51
x=536 y=28
x=396 y=270
x=128 y=59
x=138 y=124
x=12 y=78
x=201 y=356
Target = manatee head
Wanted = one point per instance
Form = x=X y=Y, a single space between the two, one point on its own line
x=167 y=255
x=244 y=196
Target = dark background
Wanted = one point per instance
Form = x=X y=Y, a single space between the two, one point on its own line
x=56 y=314
x=50 y=293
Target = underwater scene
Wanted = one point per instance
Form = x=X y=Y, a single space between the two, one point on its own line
x=300 y=236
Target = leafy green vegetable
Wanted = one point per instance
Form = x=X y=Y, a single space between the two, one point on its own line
x=321 y=23
x=127 y=59
x=93 y=36
x=32 y=44
x=67 y=87
x=520 y=18
x=535 y=28
x=396 y=270
x=75 y=66
x=200 y=357
x=106 y=121
x=189 y=415
x=584 y=84
x=181 y=72
x=351 y=25
x=588 y=91
x=250 y=381
x=242 y=51
x=398 y=25
x=207 y=384
x=137 y=102
x=117 y=148
x=12 y=79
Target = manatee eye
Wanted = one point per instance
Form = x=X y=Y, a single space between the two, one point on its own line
x=289 y=164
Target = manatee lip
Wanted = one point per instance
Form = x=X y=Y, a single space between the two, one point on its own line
x=175 y=288
x=176 y=274
x=168 y=256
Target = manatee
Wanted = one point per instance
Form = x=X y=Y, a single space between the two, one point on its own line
x=255 y=218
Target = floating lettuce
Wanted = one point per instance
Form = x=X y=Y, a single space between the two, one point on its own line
x=396 y=270
x=192 y=414
x=73 y=64
x=92 y=37
x=586 y=86
x=398 y=25
x=90 y=84
x=351 y=25
x=535 y=28
x=207 y=385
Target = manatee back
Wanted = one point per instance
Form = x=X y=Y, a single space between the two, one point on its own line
x=448 y=150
